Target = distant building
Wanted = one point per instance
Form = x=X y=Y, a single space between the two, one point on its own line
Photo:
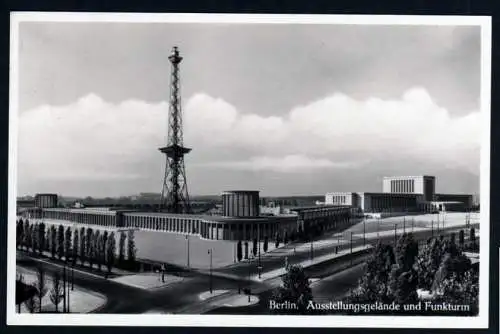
x=402 y=194
x=239 y=218
x=46 y=200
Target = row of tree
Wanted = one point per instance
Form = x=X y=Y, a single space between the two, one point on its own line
x=394 y=274
x=438 y=267
x=256 y=245
x=84 y=245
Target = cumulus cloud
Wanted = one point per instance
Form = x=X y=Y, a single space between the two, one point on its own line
x=92 y=139
x=287 y=164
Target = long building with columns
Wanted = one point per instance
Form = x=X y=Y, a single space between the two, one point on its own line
x=402 y=194
x=240 y=219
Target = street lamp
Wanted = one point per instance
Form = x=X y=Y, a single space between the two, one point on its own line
x=258 y=243
x=395 y=233
x=312 y=256
x=351 y=248
x=210 y=253
x=249 y=282
x=187 y=239
x=364 y=232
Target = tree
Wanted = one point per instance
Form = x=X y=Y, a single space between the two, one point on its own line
x=131 y=247
x=285 y=238
x=461 y=238
x=246 y=250
x=254 y=248
x=100 y=251
x=453 y=238
x=277 y=240
x=403 y=279
x=239 y=252
x=266 y=242
x=27 y=234
x=56 y=294
x=96 y=247
x=60 y=242
x=406 y=251
x=41 y=238
x=427 y=263
x=121 y=248
x=373 y=285
x=41 y=285
x=34 y=238
x=53 y=240
x=32 y=302
x=450 y=266
x=67 y=244
x=105 y=237
x=110 y=251
x=82 y=251
x=75 y=248
x=294 y=289
x=19 y=233
x=403 y=285
x=472 y=237
x=89 y=237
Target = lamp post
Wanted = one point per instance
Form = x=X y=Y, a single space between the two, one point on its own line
x=259 y=268
x=351 y=248
x=404 y=224
x=378 y=228
x=364 y=232
x=210 y=253
x=249 y=282
x=312 y=256
x=395 y=233
x=73 y=277
x=64 y=288
x=69 y=311
x=187 y=239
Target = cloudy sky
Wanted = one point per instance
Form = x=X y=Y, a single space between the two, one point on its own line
x=285 y=109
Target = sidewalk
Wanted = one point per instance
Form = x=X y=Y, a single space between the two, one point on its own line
x=80 y=300
x=310 y=262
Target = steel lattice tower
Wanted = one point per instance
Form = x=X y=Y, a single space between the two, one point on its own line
x=174 y=195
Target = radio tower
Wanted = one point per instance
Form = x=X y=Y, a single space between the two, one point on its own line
x=174 y=194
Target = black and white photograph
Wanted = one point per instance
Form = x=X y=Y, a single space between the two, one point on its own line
x=202 y=169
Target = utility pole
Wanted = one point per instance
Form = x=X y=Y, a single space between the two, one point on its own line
x=351 y=248
x=69 y=311
x=258 y=243
x=210 y=252
x=364 y=232
x=312 y=256
x=249 y=282
x=187 y=239
x=395 y=233
x=64 y=288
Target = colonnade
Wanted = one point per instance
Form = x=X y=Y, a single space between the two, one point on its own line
x=101 y=218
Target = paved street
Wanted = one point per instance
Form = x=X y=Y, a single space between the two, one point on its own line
x=335 y=280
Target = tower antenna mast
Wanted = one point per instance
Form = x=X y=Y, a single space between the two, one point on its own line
x=174 y=195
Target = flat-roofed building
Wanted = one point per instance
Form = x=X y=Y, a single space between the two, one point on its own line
x=423 y=185
x=46 y=200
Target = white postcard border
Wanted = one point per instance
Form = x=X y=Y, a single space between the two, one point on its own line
x=481 y=321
